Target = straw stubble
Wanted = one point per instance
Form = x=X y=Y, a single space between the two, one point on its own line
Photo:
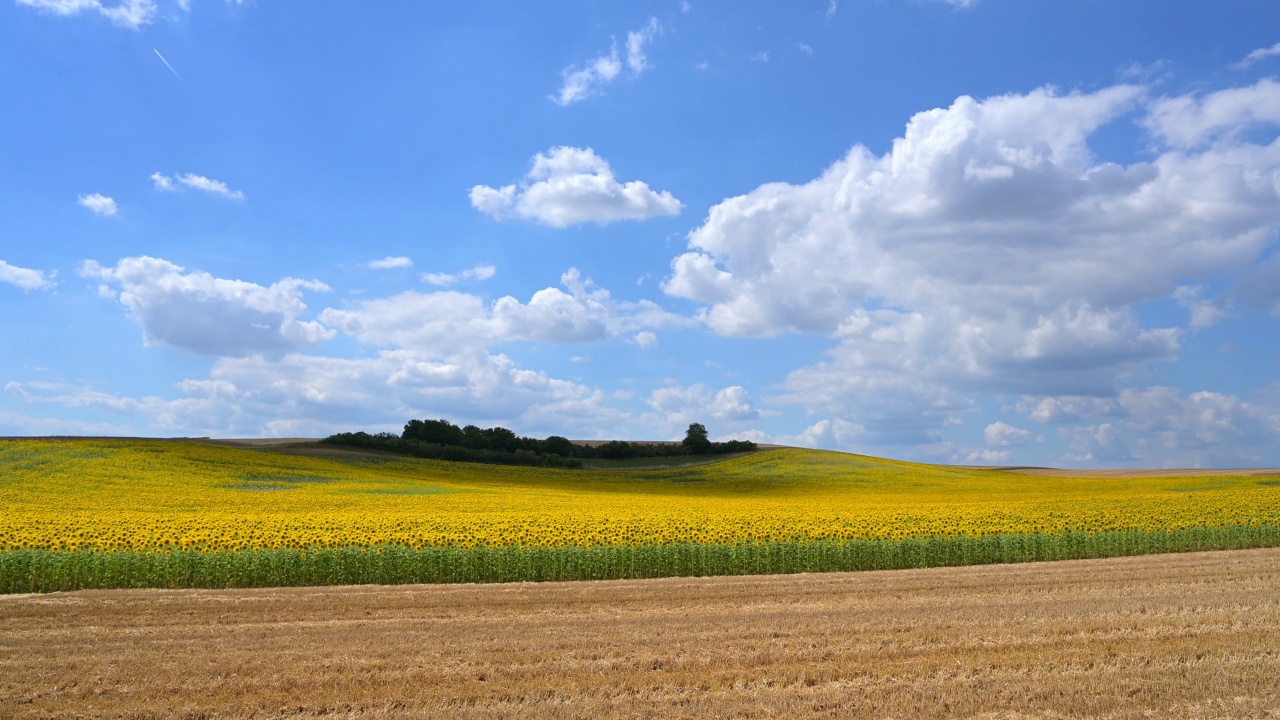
x=1173 y=636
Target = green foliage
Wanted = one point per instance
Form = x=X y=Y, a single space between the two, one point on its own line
x=442 y=440
x=437 y=432
x=696 y=440
x=50 y=570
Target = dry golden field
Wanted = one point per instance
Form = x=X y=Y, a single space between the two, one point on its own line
x=1192 y=635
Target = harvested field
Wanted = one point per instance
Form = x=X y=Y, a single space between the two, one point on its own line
x=1193 y=635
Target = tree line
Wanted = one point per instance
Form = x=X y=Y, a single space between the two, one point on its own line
x=443 y=440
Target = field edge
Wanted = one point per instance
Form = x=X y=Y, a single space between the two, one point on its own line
x=41 y=571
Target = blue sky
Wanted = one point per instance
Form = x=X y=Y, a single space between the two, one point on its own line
x=986 y=232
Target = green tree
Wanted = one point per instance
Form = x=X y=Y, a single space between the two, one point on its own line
x=559 y=446
x=696 y=440
x=440 y=432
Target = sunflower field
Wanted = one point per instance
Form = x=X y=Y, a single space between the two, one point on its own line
x=125 y=513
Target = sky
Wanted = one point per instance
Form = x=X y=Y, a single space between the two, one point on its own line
x=961 y=231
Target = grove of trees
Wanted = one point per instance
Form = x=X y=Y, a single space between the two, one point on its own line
x=443 y=440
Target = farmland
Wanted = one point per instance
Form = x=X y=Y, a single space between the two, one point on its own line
x=102 y=513
x=1191 y=635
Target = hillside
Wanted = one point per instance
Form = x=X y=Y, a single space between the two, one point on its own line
x=139 y=494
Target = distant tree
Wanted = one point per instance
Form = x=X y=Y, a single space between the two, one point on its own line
x=475 y=438
x=696 y=440
x=559 y=446
x=502 y=439
x=616 y=450
x=439 y=432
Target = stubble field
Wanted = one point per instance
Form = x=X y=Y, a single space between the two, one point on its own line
x=1194 y=635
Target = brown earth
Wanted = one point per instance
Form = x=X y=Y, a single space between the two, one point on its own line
x=1195 y=635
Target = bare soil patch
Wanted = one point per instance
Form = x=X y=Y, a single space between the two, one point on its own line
x=1195 y=635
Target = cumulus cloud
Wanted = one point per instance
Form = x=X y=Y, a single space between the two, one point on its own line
x=391 y=263
x=1200 y=429
x=131 y=14
x=831 y=432
x=1067 y=408
x=25 y=278
x=479 y=272
x=165 y=183
x=987 y=457
x=98 y=204
x=570 y=186
x=1204 y=313
x=675 y=407
x=1000 y=434
x=1095 y=443
x=1167 y=427
x=1188 y=121
x=430 y=356
x=203 y=314
x=990 y=250
x=299 y=395
x=576 y=312
x=645 y=339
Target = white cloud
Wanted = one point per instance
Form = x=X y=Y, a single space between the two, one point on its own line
x=200 y=313
x=25 y=278
x=1165 y=427
x=165 y=183
x=432 y=323
x=590 y=79
x=1201 y=429
x=1258 y=55
x=581 y=315
x=1067 y=408
x=645 y=339
x=750 y=435
x=300 y=395
x=674 y=408
x=479 y=272
x=1095 y=443
x=131 y=14
x=391 y=263
x=1204 y=313
x=99 y=204
x=1188 y=121
x=570 y=186
x=827 y=433
x=987 y=457
x=989 y=250
x=999 y=434
x=637 y=61
x=581 y=83
x=162 y=182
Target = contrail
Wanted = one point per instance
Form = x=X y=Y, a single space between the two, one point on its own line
x=166 y=64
